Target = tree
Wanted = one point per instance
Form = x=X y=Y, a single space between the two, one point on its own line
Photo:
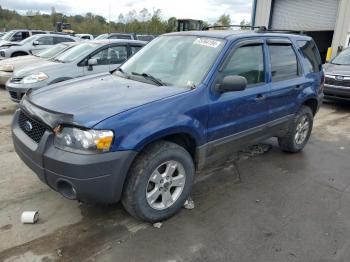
x=244 y=24
x=172 y=24
x=224 y=20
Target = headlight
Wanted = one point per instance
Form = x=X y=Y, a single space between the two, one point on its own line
x=6 y=68
x=84 y=141
x=33 y=78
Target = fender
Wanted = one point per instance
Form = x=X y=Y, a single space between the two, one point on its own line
x=145 y=133
x=60 y=79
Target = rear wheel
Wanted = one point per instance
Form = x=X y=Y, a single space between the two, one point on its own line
x=159 y=182
x=299 y=131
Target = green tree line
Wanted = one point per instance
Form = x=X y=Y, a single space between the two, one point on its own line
x=142 y=22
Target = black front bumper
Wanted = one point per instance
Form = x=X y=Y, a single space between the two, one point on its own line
x=337 y=92
x=97 y=178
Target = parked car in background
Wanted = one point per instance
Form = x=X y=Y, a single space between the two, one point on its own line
x=129 y=36
x=85 y=36
x=86 y=58
x=19 y=35
x=146 y=38
x=186 y=100
x=33 y=44
x=337 y=73
x=2 y=34
x=8 y=66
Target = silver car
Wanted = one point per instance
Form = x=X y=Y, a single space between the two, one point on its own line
x=33 y=44
x=9 y=65
x=86 y=58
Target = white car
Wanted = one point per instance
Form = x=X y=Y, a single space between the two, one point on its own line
x=33 y=44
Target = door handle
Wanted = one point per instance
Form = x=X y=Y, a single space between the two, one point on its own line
x=259 y=97
x=298 y=87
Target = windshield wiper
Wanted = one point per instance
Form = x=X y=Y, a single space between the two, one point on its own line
x=150 y=77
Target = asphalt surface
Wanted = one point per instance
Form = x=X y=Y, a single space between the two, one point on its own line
x=275 y=207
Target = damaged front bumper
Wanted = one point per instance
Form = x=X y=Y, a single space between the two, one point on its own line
x=97 y=178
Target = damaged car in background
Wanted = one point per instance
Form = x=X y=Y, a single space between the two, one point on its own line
x=86 y=58
x=8 y=66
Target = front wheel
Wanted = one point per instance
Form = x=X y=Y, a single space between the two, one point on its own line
x=299 y=131
x=159 y=182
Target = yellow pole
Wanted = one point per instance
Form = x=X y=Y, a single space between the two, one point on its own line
x=329 y=54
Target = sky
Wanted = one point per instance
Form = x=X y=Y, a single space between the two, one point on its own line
x=208 y=10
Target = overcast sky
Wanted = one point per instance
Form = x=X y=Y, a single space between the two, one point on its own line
x=208 y=10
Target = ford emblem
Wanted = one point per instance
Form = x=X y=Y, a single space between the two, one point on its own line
x=28 y=126
x=339 y=78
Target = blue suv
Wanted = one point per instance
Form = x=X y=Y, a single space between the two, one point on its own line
x=185 y=101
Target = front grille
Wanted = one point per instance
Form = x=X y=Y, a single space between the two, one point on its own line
x=34 y=129
x=15 y=95
x=16 y=79
x=334 y=82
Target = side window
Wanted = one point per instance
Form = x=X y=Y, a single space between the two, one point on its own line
x=45 y=40
x=102 y=57
x=284 y=64
x=134 y=49
x=247 y=61
x=17 y=37
x=118 y=54
x=311 y=54
x=58 y=40
x=120 y=37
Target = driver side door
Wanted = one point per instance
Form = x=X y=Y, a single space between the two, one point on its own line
x=239 y=117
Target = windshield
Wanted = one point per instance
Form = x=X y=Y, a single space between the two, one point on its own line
x=52 y=51
x=175 y=60
x=8 y=35
x=104 y=36
x=76 y=52
x=343 y=58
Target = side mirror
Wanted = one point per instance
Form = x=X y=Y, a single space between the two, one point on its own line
x=36 y=42
x=91 y=63
x=231 y=83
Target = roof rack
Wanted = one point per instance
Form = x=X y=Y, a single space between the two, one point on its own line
x=261 y=29
x=230 y=26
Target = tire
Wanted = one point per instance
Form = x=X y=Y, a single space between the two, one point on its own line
x=298 y=132
x=141 y=187
x=18 y=54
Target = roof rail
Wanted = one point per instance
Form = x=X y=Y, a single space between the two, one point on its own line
x=230 y=26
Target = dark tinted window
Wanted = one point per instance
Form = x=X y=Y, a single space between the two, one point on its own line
x=45 y=40
x=247 y=61
x=284 y=63
x=135 y=49
x=311 y=54
x=58 y=40
x=120 y=37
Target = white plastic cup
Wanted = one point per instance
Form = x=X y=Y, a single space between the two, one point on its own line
x=29 y=217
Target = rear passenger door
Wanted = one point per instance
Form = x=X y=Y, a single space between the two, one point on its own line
x=238 y=117
x=286 y=78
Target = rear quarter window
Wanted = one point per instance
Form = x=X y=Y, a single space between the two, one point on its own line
x=311 y=55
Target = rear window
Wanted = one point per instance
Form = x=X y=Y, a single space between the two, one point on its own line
x=311 y=54
x=284 y=63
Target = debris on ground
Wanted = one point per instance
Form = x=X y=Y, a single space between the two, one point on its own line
x=29 y=217
x=157 y=225
x=257 y=149
x=341 y=148
x=257 y=201
x=59 y=252
x=189 y=203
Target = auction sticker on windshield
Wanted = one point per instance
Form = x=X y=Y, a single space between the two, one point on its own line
x=207 y=42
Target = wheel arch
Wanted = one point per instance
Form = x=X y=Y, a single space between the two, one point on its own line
x=312 y=103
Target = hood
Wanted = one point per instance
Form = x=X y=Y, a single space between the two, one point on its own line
x=92 y=99
x=337 y=69
x=42 y=66
x=8 y=43
x=20 y=61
